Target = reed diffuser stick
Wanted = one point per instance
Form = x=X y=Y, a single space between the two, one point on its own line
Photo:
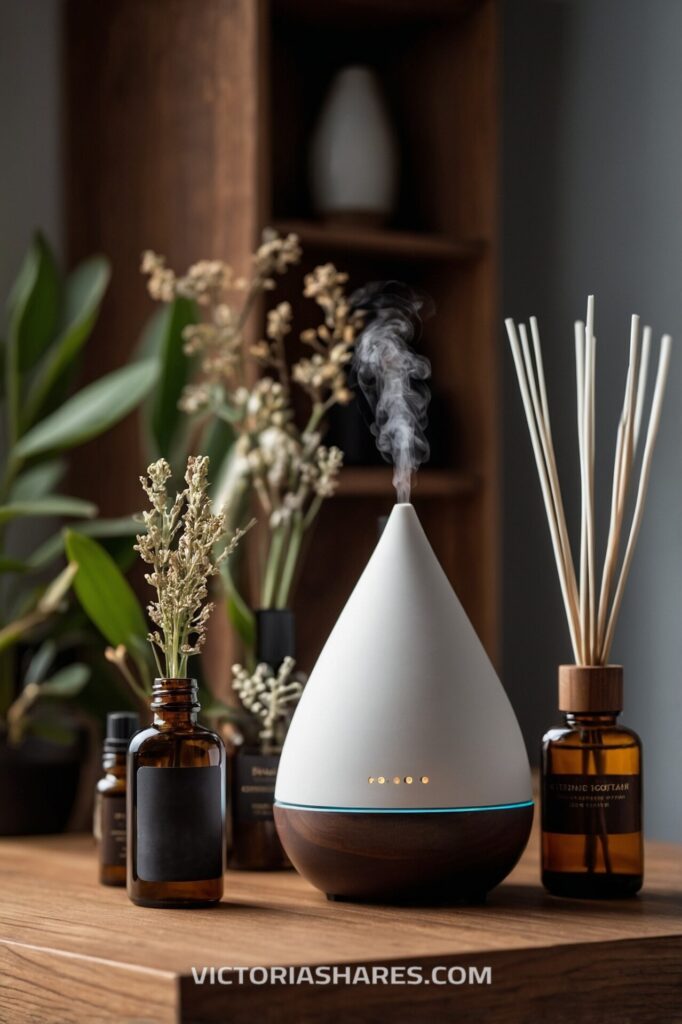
x=569 y=605
x=588 y=455
x=645 y=473
x=537 y=391
x=591 y=618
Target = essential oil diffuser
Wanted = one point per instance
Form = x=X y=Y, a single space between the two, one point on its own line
x=404 y=775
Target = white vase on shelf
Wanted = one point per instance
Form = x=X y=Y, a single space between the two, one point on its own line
x=354 y=155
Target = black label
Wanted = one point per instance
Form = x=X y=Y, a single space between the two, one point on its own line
x=253 y=786
x=591 y=805
x=113 y=826
x=179 y=825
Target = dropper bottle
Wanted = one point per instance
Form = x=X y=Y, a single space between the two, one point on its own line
x=110 y=802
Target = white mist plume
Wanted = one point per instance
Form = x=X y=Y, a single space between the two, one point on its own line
x=391 y=377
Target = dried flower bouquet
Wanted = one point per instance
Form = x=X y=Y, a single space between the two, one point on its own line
x=184 y=544
x=270 y=697
x=250 y=386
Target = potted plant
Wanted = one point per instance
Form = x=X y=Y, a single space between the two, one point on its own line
x=49 y=320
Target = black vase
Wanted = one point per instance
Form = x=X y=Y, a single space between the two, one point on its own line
x=255 y=845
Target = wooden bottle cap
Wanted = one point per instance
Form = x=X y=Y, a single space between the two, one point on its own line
x=585 y=688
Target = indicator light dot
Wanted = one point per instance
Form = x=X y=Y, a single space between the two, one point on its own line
x=408 y=780
x=381 y=780
x=370 y=779
x=396 y=779
x=424 y=779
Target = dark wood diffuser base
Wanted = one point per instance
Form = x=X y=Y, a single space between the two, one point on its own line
x=404 y=858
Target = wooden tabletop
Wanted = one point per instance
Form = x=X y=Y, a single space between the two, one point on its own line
x=72 y=950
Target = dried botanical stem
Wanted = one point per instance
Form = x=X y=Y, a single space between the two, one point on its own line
x=182 y=545
x=268 y=696
x=645 y=473
x=288 y=469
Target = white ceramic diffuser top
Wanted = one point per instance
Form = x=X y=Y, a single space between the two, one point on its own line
x=403 y=690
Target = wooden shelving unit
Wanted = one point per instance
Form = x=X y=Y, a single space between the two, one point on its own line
x=402 y=245
x=371 y=482
x=437 y=66
x=188 y=130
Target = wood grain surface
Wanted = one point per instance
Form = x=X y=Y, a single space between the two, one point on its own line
x=72 y=950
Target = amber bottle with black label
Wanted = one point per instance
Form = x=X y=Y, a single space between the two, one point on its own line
x=176 y=804
x=110 y=798
x=592 y=790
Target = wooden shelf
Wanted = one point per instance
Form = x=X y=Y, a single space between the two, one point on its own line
x=407 y=245
x=372 y=12
x=375 y=481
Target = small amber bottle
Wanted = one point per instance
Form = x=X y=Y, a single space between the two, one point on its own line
x=110 y=798
x=591 y=790
x=176 y=804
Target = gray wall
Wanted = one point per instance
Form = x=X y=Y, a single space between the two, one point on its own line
x=593 y=202
x=30 y=173
x=30 y=167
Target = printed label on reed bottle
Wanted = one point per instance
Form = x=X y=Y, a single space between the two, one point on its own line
x=254 y=786
x=591 y=804
x=113 y=826
x=179 y=825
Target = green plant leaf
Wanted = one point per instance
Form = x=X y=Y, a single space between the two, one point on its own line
x=54 y=732
x=37 y=481
x=53 y=547
x=41 y=662
x=30 y=324
x=217 y=444
x=104 y=593
x=166 y=338
x=13 y=565
x=240 y=615
x=68 y=682
x=91 y=411
x=34 y=305
x=53 y=505
x=83 y=294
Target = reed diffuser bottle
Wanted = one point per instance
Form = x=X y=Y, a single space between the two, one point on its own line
x=176 y=768
x=591 y=768
x=591 y=790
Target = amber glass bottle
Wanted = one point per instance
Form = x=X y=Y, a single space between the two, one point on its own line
x=110 y=798
x=591 y=791
x=176 y=804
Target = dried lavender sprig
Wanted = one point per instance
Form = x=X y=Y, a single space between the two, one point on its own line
x=181 y=545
